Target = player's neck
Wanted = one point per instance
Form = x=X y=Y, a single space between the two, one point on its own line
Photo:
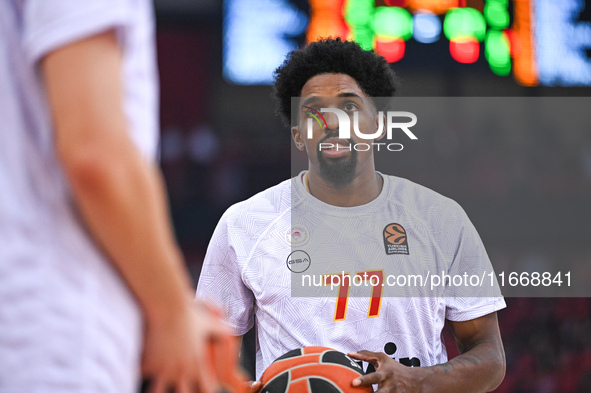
x=363 y=189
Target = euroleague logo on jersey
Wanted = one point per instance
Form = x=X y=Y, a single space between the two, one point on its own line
x=395 y=240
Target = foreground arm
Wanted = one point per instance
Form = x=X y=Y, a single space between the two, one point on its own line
x=122 y=201
x=479 y=368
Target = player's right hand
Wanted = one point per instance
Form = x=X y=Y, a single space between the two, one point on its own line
x=181 y=352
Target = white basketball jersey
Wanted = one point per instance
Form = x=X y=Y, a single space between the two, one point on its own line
x=263 y=249
x=68 y=322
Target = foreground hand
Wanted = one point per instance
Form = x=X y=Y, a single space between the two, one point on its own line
x=390 y=376
x=191 y=351
x=254 y=386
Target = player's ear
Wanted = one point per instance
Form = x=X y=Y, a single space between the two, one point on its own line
x=380 y=116
x=297 y=138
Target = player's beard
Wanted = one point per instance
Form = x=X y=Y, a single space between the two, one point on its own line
x=339 y=172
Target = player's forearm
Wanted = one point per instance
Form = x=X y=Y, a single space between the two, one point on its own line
x=122 y=201
x=479 y=369
x=119 y=196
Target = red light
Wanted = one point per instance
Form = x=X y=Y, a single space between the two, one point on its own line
x=514 y=42
x=464 y=50
x=396 y=3
x=392 y=50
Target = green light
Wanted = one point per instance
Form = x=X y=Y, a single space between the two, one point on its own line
x=497 y=47
x=497 y=15
x=359 y=12
x=497 y=52
x=364 y=37
x=359 y=16
x=393 y=22
x=463 y=23
x=479 y=23
x=503 y=70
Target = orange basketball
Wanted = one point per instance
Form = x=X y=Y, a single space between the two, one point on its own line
x=312 y=370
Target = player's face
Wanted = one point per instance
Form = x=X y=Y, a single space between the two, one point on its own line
x=337 y=160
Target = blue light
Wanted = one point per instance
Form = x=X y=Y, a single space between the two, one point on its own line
x=256 y=38
x=427 y=27
x=561 y=42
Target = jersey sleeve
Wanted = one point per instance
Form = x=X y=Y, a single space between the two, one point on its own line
x=221 y=282
x=472 y=290
x=51 y=24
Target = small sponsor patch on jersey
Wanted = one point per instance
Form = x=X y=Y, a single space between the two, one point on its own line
x=297 y=236
x=298 y=261
x=395 y=240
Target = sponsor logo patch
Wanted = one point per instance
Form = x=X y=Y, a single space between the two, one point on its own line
x=395 y=240
x=297 y=236
x=298 y=261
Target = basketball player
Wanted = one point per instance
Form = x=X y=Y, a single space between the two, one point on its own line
x=343 y=201
x=92 y=284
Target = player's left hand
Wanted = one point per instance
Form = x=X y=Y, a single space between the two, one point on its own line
x=390 y=376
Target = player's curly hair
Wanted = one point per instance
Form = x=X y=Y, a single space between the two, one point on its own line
x=331 y=55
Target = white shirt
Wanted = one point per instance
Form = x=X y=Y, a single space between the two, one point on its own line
x=254 y=266
x=68 y=322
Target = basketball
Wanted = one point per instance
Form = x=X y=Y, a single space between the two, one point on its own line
x=312 y=370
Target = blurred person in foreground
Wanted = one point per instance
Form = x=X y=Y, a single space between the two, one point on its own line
x=343 y=201
x=93 y=288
